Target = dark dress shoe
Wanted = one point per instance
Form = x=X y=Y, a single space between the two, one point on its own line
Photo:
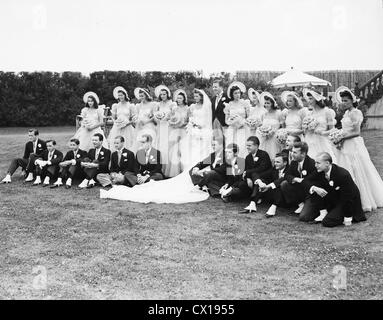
x=35 y=184
x=225 y=199
x=67 y=187
x=269 y=215
x=244 y=211
x=90 y=186
x=45 y=185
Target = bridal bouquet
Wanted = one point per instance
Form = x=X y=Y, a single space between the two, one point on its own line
x=336 y=136
x=309 y=123
x=281 y=136
x=253 y=123
x=265 y=131
x=159 y=115
x=121 y=123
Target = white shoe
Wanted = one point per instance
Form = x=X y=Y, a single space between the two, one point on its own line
x=69 y=182
x=272 y=211
x=83 y=184
x=321 y=216
x=347 y=221
x=251 y=207
x=259 y=201
x=37 y=181
x=7 y=179
x=226 y=191
x=46 y=181
x=30 y=177
x=300 y=208
x=205 y=189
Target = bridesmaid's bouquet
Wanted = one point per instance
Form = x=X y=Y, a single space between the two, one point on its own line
x=253 y=123
x=336 y=137
x=309 y=123
x=265 y=131
x=236 y=121
x=121 y=123
x=159 y=115
x=175 y=120
x=281 y=136
x=86 y=123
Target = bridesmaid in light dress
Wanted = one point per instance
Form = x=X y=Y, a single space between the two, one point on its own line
x=144 y=116
x=179 y=118
x=161 y=117
x=236 y=113
x=256 y=112
x=92 y=116
x=294 y=113
x=123 y=114
x=317 y=139
x=353 y=154
x=273 y=118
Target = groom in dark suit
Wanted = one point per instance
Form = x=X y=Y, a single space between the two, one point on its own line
x=148 y=162
x=34 y=149
x=294 y=188
x=334 y=197
x=218 y=105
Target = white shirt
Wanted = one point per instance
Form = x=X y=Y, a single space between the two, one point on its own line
x=147 y=155
x=217 y=158
x=97 y=153
x=328 y=174
x=35 y=146
x=219 y=97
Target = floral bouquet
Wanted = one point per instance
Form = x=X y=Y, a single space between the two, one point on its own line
x=236 y=121
x=309 y=123
x=86 y=123
x=253 y=123
x=159 y=115
x=265 y=131
x=121 y=123
x=281 y=136
x=336 y=136
x=175 y=120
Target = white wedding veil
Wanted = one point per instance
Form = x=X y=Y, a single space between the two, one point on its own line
x=206 y=106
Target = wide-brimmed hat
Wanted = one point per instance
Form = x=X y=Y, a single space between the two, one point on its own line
x=177 y=92
x=90 y=94
x=317 y=96
x=238 y=84
x=158 y=89
x=341 y=89
x=117 y=89
x=137 y=92
x=287 y=93
x=251 y=92
x=266 y=94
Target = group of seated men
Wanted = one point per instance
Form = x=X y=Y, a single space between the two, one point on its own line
x=321 y=191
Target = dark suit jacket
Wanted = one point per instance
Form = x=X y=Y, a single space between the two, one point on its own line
x=208 y=161
x=41 y=146
x=81 y=155
x=275 y=177
x=56 y=158
x=154 y=164
x=230 y=177
x=102 y=160
x=258 y=169
x=287 y=152
x=127 y=162
x=218 y=113
x=341 y=189
x=308 y=169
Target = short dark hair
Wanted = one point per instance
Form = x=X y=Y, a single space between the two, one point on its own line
x=254 y=140
x=147 y=137
x=76 y=141
x=52 y=141
x=184 y=97
x=283 y=155
x=35 y=131
x=233 y=146
x=99 y=135
x=95 y=104
x=303 y=146
x=295 y=136
x=122 y=139
x=219 y=81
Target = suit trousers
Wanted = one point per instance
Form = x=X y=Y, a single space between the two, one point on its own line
x=71 y=171
x=131 y=178
x=106 y=179
x=15 y=163
x=47 y=171
x=293 y=193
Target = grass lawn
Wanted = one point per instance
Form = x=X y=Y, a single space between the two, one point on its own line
x=106 y=249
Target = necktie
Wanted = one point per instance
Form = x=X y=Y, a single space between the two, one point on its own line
x=300 y=168
x=75 y=154
x=280 y=174
x=119 y=156
x=147 y=156
x=50 y=156
x=35 y=146
x=217 y=100
x=327 y=175
x=96 y=155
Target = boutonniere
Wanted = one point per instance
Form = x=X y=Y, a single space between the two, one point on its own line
x=256 y=159
x=337 y=188
x=125 y=160
x=331 y=183
x=78 y=156
x=125 y=154
x=223 y=99
x=304 y=172
x=102 y=153
x=55 y=156
x=39 y=145
x=235 y=166
x=151 y=157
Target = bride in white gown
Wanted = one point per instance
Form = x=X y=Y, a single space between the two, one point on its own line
x=179 y=189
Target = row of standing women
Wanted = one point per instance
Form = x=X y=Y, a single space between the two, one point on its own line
x=183 y=133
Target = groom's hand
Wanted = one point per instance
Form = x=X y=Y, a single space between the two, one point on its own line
x=195 y=171
x=319 y=191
